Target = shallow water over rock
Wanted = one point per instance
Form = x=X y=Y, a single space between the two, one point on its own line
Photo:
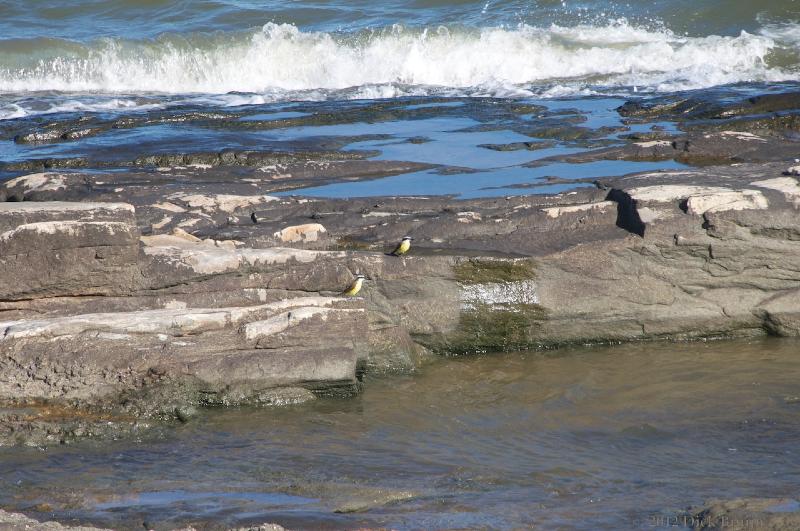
x=588 y=438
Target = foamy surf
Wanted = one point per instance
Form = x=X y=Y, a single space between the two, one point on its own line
x=281 y=61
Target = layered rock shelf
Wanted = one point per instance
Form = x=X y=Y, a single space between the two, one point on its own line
x=134 y=298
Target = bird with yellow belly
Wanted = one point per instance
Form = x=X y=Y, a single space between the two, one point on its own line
x=402 y=247
x=355 y=287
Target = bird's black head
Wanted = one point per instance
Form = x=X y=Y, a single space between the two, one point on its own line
x=409 y=238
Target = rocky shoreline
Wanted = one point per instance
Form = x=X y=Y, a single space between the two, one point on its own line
x=133 y=298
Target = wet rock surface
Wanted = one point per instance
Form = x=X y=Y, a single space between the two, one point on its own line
x=135 y=297
x=712 y=131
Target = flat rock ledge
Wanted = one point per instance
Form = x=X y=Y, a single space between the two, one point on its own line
x=19 y=522
x=140 y=306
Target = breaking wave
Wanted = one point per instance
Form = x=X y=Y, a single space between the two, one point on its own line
x=283 y=59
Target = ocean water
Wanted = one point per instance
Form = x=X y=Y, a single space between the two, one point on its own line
x=91 y=55
x=168 y=76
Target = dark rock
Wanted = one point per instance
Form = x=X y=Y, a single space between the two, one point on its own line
x=771 y=114
x=516 y=146
x=707 y=148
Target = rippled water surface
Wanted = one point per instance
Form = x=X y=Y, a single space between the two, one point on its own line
x=112 y=82
x=52 y=53
x=586 y=438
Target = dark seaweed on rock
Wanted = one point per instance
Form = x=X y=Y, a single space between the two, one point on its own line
x=482 y=271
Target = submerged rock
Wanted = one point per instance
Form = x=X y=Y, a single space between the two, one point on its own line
x=371 y=500
x=775 y=514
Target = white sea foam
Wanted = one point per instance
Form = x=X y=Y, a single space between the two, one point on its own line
x=18 y=110
x=786 y=32
x=280 y=62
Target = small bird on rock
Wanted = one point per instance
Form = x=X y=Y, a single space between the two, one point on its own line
x=402 y=247
x=253 y=217
x=355 y=287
